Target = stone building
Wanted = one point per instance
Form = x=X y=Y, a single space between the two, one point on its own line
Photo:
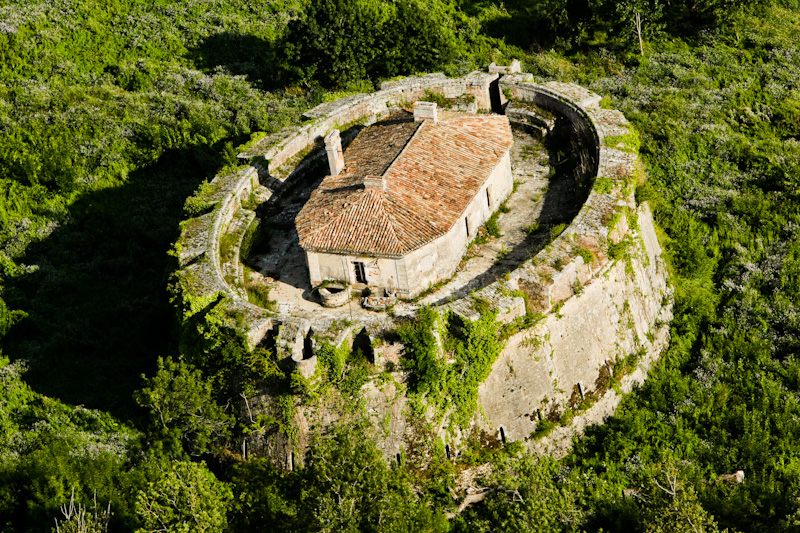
x=401 y=205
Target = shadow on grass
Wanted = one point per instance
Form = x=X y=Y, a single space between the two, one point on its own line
x=241 y=55
x=99 y=308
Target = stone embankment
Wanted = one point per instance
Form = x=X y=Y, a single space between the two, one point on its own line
x=600 y=285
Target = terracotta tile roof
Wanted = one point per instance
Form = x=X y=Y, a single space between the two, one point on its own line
x=432 y=172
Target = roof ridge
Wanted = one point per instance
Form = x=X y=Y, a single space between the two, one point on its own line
x=312 y=232
x=383 y=201
x=399 y=210
x=428 y=185
x=403 y=151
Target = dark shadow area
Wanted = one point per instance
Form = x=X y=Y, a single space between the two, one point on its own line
x=494 y=96
x=98 y=304
x=308 y=345
x=279 y=254
x=363 y=344
x=574 y=25
x=535 y=25
x=241 y=55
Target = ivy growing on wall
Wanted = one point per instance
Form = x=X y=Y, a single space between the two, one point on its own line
x=472 y=347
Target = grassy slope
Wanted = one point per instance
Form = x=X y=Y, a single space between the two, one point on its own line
x=105 y=127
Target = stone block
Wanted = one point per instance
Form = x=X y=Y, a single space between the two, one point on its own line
x=425 y=110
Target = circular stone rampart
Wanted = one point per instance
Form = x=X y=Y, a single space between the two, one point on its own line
x=601 y=284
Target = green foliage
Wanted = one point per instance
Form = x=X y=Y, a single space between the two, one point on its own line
x=50 y=452
x=348 y=370
x=556 y=230
x=337 y=42
x=351 y=488
x=110 y=118
x=184 y=497
x=528 y=497
x=78 y=518
x=620 y=251
x=604 y=185
x=587 y=255
x=450 y=388
x=438 y=98
x=492 y=227
x=201 y=201
x=628 y=142
x=332 y=359
x=672 y=506
x=184 y=415
x=475 y=351
x=344 y=485
x=423 y=352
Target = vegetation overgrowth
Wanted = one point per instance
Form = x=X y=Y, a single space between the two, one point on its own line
x=112 y=114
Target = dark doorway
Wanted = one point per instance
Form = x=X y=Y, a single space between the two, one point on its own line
x=361 y=275
x=494 y=96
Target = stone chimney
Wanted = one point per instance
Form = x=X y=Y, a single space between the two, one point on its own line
x=333 y=147
x=375 y=182
x=514 y=68
x=425 y=110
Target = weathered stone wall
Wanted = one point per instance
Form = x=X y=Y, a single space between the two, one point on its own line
x=596 y=314
x=596 y=310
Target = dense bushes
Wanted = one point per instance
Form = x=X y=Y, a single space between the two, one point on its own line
x=473 y=347
x=338 y=42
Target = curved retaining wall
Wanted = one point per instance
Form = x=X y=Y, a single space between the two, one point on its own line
x=597 y=309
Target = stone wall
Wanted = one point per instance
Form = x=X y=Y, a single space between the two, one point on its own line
x=596 y=314
x=597 y=309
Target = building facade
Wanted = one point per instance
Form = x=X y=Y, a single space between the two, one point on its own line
x=402 y=204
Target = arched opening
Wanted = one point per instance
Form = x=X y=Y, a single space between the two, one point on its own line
x=291 y=461
x=502 y=435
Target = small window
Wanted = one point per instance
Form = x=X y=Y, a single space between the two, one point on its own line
x=361 y=275
x=466 y=221
x=488 y=198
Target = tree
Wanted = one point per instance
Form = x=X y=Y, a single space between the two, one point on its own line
x=348 y=487
x=671 y=506
x=642 y=17
x=80 y=519
x=527 y=498
x=183 y=412
x=184 y=498
x=338 y=42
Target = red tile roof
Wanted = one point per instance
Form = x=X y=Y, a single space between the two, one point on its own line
x=432 y=173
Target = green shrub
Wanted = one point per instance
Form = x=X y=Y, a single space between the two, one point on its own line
x=492 y=226
x=337 y=42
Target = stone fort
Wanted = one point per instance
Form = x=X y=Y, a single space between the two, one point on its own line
x=375 y=204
